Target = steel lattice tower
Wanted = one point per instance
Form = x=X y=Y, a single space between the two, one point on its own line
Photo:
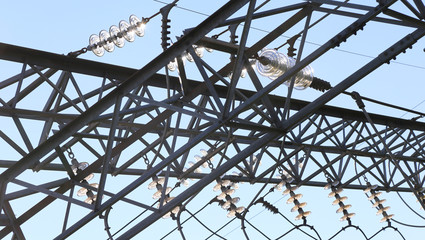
x=140 y=128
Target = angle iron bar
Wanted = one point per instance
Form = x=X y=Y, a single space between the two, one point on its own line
x=20 y=128
x=357 y=15
x=266 y=100
x=28 y=73
x=404 y=18
x=182 y=76
x=421 y=146
x=136 y=157
x=383 y=179
x=26 y=192
x=331 y=167
x=18 y=234
x=108 y=155
x=348 y=123
x=415 y=172
x=396 y=185
x=36 y=208
x=411 y=145
x=50 y=193
x=12 y=143
x=238 y=93
x=78 y=90
x=68 y=210
x=177 y=109
x=62 y=93
x=33 y=85
x=68 y=144
x=265 y=14
x=61 y=84
x=286 y=108
x=111 y=194
x=322 y=131
x=239 y=61
x=343 y=169
x=421 y=7
x=18 y=88
x=411 y=8
x=345 y=4
x=206 y=79
x=93 y=93
x=334 y=132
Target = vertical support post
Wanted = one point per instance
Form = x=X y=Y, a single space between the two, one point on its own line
x=108 y=154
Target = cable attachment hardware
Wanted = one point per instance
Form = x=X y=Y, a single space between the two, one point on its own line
x=165 y=25
x=320 y=84
x=356 y=96
x=267 y=205
x=233 y=36
x=291 y=48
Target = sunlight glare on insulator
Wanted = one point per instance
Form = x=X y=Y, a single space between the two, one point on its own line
x=116 y=36
x=138 y=25
x=126 y=31
x=105 y=41
x=95 y=46
x=188 y=57
x=199 y=50
x=172 y=65
x=273 y=64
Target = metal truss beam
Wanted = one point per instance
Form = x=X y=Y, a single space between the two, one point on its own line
x=236 y=125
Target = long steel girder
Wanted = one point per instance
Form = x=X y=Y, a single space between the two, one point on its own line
x=233 y=124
